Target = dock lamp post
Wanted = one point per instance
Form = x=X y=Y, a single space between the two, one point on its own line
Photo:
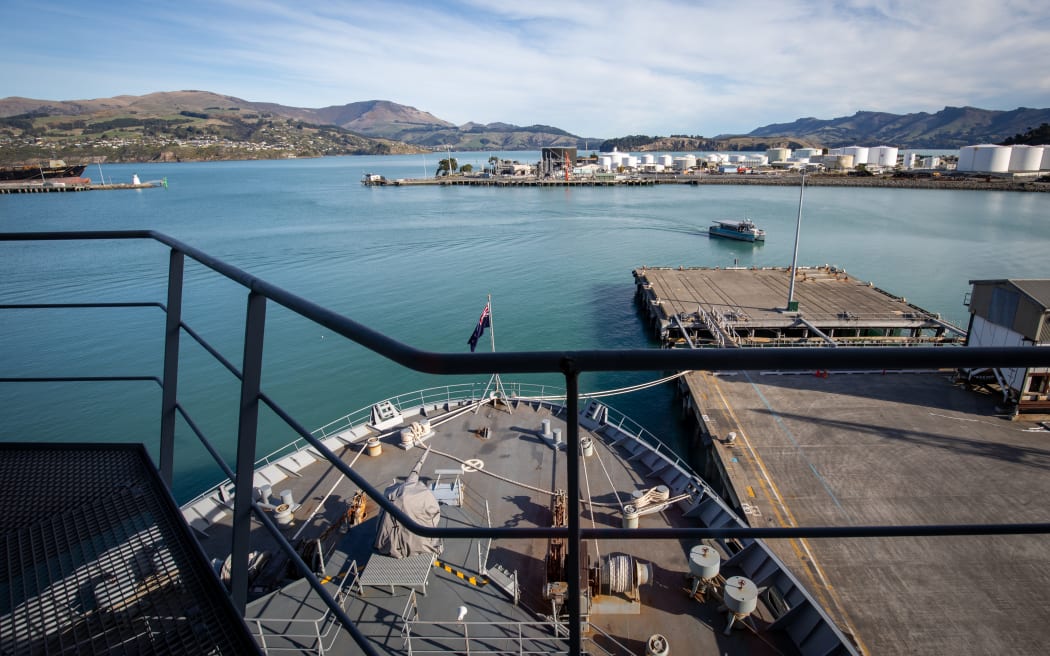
x=792 y=305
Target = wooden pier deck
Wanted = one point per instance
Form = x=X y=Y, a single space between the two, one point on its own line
x=748 y=307
x=41 y=188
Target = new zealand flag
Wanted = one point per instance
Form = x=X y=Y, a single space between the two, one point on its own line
x=479 y=330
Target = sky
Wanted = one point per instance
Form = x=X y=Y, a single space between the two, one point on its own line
x=596 y=68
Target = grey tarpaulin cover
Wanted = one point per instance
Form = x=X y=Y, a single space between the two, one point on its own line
x=417 y=501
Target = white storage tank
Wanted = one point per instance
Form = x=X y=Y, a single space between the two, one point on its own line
x=631 y=161
x=808 y=152
x=667 y=161
x=680 y=164
x=837 y=161
x=966 y=155
x=648 y=159
x=1026 y=158
x=736 y=157
x=1044 y=165
x=778 y=154
x=859 y=153
x=690 y=161
x=883 y=156
x=716 y=158
x=909 y=160
x=605 y=161
x=989 y=158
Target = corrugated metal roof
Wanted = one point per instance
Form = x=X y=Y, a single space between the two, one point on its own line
x=1038 y=289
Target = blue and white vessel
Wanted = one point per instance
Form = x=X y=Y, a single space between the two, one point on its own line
x=744 y=230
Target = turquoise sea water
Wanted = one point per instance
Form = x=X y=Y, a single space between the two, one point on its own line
x=417 y=264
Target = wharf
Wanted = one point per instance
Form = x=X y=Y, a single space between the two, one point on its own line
x=40 y=188
x=865 y=448
x=879 y=448
x=462 y=181
x=787 y=179
x=740 y=307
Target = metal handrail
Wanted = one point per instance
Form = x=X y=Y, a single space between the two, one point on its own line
x=328 y=620
x=569 y=364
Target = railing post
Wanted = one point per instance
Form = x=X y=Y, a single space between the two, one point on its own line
x=251 y=375
x=169 y=393
x=572 y=450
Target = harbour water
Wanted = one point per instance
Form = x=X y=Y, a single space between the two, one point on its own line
x=417 y=264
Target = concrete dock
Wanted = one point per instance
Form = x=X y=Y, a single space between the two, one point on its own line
x=890 y=449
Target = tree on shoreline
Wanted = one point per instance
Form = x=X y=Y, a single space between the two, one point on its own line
x=447 y=166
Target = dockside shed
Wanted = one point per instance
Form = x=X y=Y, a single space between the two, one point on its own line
x=1013 y=313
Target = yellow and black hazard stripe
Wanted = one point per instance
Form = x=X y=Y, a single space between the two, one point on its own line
x=473 y=580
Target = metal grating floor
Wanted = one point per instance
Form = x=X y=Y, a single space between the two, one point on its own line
x=95 y=559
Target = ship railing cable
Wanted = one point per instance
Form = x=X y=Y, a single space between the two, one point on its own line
x=588 y=495
x=612 y=392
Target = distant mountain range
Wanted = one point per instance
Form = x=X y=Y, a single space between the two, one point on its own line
x=374 y=119
x=952 y=127
x=380 y=126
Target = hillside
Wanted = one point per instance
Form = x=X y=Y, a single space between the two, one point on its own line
x=1034 y=137
x=368 y=127
x=683 y=143
x=201 y=125
x=952 y=127
x=181 y=125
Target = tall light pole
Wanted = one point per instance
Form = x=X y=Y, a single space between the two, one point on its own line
x=792 y=305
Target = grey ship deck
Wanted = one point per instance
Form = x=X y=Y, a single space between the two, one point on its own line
x=411 y=605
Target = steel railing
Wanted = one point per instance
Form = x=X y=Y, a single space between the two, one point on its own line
x=569 y=364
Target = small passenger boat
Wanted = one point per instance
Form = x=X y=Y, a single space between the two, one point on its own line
x=740 y=230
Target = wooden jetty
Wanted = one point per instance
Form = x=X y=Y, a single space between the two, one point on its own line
x=45 y=188
x=741 y=307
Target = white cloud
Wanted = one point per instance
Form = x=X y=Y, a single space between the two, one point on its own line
x=595 y=69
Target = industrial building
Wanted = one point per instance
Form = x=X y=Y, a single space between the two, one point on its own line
x=556 y=159
x=1012 y=313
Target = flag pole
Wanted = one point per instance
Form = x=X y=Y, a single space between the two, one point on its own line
x=494 y=380
x=492 y=324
